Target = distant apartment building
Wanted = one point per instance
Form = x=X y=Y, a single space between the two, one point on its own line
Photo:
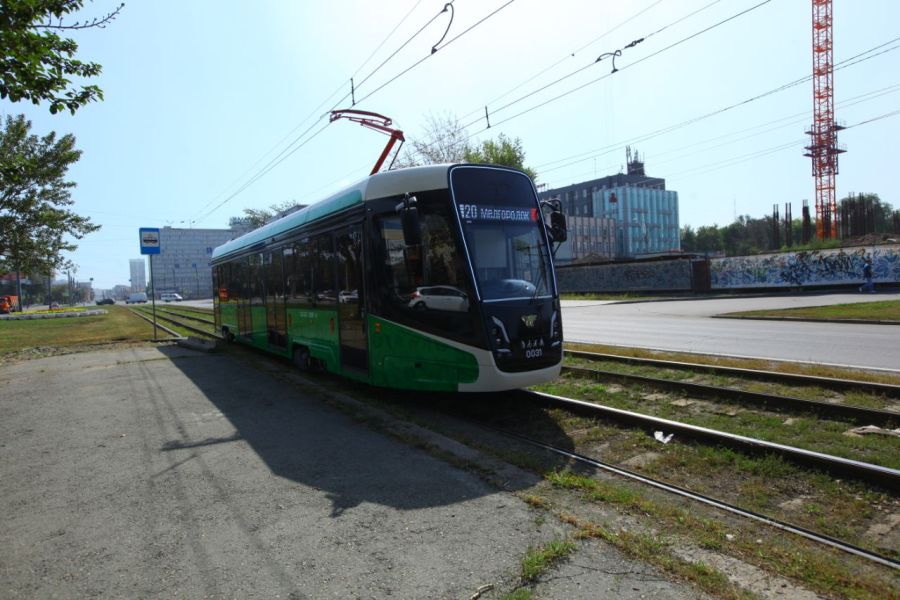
x=138 y=277
x=621 y=216
x=182 y=265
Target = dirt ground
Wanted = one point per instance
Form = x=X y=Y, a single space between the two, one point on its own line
x=159 y=472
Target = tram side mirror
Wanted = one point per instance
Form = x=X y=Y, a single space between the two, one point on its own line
x=558 y=229
x=409 y=220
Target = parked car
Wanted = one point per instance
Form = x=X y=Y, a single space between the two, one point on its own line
x=439 y=297
x=138 y=298
x=171 y=298
x=103 y=301
x=345 y=296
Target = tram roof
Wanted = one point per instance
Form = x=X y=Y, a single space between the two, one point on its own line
x=380 y=185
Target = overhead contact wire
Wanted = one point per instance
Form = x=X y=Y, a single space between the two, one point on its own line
x=434 y=51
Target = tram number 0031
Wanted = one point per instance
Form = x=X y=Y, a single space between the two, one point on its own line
x=534 y=353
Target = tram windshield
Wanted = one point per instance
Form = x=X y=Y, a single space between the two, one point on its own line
x=504 y=234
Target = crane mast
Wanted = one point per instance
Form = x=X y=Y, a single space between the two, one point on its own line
x=823 y=148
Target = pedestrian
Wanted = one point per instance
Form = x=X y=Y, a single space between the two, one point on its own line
x=868 y=286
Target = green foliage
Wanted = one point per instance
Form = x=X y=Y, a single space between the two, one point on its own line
x=35 y=62
x=445 y=141
x=747 y=235
x=503 y=151
x=881 y=213
x=538 y=560
x=257 y=217
x=35 y=226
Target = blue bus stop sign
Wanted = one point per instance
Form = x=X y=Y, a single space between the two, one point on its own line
x=149 y=240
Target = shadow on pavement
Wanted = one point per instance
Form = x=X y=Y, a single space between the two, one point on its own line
x=302 y=439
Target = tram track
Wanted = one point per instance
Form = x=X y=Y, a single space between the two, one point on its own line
x=775 y=402
x=837 y=384
x=882 y=476
x=183 y=314
x=703 y=499
x=180 y=323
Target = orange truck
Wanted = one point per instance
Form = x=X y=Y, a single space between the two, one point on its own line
x=9 y=304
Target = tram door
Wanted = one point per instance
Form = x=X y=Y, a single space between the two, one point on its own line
x=351 y=301
x=276 y=325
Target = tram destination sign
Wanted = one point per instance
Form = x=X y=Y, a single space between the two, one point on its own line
x=484 y=213
x=149 y=240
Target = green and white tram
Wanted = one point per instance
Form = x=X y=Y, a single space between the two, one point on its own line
x=431 y=278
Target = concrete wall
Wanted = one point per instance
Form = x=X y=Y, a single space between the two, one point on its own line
x=796 y=269
x=786 y=269
x=669 y=275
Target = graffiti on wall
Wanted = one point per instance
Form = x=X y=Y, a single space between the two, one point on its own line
x=817 y=267
x=647 y=276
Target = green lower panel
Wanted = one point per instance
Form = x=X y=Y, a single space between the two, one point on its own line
x=404 y=358
x=317 y=330
x=399 y=357
x=228 y=316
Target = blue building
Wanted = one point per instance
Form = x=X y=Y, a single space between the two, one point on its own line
x=621 y=216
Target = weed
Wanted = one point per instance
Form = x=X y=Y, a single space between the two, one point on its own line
x=538 y=560
x=519 y=594
x=536 y=501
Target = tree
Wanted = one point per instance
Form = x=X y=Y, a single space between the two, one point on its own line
x=445 y=141
x=709 y=238
x=257 y=217
x=35 y=62
x=688 y=239
x=503 y=151
x=35 y=226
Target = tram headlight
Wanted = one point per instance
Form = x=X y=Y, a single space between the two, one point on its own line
x=555 y=328
x=498 y=334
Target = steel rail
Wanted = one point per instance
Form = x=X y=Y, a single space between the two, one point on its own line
x=877 y=474
x=827 y=382
x=860 y=414
x=709 y=501
x=184 y=316
x=183 y=325
x=141 y=314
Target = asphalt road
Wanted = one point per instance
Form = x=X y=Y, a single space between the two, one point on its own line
x=158 y=472
x=687 y=326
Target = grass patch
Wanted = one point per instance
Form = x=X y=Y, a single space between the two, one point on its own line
x=758 y=364
x=519 y=594
x=117 y=325
x=886 y=310
x=538 y=561
x=814 y=433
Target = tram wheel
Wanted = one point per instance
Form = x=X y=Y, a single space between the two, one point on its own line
x=301 y=358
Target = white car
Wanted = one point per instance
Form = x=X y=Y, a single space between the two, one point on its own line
x=171 y=298
x=440 y=297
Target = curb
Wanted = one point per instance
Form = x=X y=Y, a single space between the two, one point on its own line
x=60 y=315
x=808 y=320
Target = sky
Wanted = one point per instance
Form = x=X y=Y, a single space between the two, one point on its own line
x=214 y=106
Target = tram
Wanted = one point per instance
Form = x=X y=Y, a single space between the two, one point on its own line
x=432 y=278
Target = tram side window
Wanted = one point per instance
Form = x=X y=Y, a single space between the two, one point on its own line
x=274 y=277
x=298 y=274
x=222 y=282
x=235 y=276
x=349 y=264
x=323 y=269
x=253 y=281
